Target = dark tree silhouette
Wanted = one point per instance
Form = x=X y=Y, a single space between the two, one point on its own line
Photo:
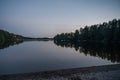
x=7 y=39
x=108 y=32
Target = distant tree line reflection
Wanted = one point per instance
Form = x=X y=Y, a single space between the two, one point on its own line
x=105 y=51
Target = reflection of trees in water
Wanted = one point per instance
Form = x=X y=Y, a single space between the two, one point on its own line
x=110 y=52
x=67 y=44
x=105 y=51
x=7 y=44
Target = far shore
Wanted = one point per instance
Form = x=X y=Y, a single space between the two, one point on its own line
x=105 y=72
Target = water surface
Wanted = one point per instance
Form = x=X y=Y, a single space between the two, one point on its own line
x=35 y=56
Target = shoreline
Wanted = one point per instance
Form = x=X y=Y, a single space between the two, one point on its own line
x=105 y=72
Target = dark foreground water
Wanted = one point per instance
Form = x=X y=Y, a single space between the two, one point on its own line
x=35 y=56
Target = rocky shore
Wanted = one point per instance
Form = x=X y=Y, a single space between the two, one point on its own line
x=106 y=72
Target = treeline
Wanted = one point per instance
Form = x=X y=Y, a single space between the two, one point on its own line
x=37 y=39
x=7 y=39
x=107 y=32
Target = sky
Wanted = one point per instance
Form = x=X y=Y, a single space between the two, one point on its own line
x=46 y=18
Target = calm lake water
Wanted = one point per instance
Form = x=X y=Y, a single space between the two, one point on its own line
x=35 y=56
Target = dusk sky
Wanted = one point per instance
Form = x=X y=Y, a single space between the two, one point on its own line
x=46 y=18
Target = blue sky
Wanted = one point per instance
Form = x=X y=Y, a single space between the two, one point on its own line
x=39 y=18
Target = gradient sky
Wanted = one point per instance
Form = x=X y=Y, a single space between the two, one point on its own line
x=39 y=18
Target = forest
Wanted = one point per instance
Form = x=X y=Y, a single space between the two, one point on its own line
x=7 y=39
x=102 y=40
x=107 y=32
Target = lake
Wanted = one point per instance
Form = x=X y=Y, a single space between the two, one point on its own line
x=35 y=56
